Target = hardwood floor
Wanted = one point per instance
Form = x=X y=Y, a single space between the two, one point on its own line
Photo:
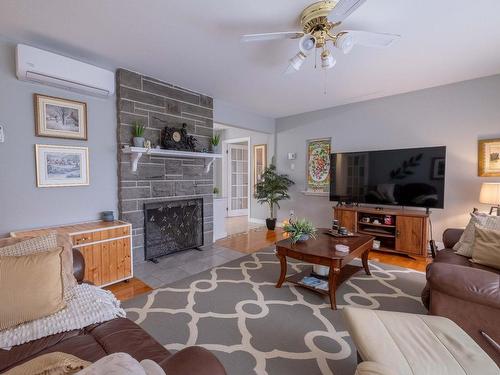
x=129 y=289
x=253 y=241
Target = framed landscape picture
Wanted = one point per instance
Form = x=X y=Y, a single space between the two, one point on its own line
x=489 y=158
x=60 y=118
x=318 y=165
x=61 y=166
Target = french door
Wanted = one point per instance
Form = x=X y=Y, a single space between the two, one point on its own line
x=237 y=179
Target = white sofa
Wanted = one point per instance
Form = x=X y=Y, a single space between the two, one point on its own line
x=394 y=343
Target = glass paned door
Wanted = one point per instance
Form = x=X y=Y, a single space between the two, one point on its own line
x=238 y=179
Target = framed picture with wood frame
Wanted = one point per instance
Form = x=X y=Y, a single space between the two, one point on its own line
x=60 y=118
x=489 y=158
x=61 y=166
x=259 y=162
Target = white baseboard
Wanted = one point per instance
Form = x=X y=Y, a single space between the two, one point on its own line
x=256 y=221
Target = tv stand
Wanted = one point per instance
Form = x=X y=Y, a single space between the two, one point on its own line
x=404 y=231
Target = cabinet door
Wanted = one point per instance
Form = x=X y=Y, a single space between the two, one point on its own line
x=108 y=261
x=410 y=236
x=346 y=218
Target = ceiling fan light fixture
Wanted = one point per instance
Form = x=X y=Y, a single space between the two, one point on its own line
x=327 y=59
x=344 y=42
x=295 y=63
x=307 y=43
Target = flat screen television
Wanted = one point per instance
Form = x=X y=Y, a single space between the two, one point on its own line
x=412 y=177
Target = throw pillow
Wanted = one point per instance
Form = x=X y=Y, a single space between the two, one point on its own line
x=56 y=363
x=41 y=244
x=32 y=287
x=123 y=364
x=486 y=247
x=464 y=246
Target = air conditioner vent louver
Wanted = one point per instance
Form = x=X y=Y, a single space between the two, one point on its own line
x=36 y=65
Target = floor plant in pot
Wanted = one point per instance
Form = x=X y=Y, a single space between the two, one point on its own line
x=272 y=188
x=301 y=230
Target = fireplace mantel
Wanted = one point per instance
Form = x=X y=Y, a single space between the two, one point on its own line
x=137 y=152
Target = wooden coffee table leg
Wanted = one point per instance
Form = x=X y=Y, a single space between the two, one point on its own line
x=364 y=259
x=283 y=264
x=332 y=285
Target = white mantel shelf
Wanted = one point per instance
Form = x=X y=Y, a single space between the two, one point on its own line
x=137 y=152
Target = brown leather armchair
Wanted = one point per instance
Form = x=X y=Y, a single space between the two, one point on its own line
x=118 y=335
x=465 y=292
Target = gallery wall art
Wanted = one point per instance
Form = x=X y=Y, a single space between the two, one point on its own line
x=318 y=165
x=60 y=118
x=61 y=166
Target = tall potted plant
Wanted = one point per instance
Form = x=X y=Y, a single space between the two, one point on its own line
x=271 y=189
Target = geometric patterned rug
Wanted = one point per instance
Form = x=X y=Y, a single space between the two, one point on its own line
x=235 y=311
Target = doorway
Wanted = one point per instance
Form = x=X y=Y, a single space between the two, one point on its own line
x=238 y=177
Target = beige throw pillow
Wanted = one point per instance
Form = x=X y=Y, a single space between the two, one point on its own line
x=464 y=246
x=41 y=244
x=486 y=247
x=56 y=363
x=31 y=287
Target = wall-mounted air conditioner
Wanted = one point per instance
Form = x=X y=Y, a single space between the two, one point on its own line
x=33 y=64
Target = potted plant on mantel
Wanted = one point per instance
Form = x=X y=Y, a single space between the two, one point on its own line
x=214 y=143
x=271 y=189
x=138 y=134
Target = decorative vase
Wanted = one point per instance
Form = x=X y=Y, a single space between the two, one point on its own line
x=138 y=141
x=271 y=224
x=107 y=216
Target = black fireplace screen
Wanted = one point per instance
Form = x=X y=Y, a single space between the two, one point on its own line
x=172 y=226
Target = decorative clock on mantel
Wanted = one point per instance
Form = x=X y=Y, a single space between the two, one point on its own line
x=178 y=139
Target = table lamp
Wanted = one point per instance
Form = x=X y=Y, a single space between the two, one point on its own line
x=490 y=194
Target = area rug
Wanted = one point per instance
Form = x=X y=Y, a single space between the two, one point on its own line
x=235 y=311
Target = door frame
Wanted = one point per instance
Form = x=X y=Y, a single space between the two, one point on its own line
x=225 y=170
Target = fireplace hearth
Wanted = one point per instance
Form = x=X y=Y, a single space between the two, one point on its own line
x=172 y=226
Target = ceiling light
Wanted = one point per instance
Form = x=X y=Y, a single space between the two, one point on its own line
x=327 y=60
x=344 y=42
x=295 y=63
x=307 y=43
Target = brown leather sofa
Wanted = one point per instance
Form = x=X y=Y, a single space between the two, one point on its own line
x=465 y=292
x=118 y=335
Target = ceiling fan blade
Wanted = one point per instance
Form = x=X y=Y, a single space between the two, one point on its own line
x=369 y=39
x=343 y=9
x=272 y=36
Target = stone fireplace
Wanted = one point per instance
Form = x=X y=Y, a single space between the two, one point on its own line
x=157 y=104
x=172 y=226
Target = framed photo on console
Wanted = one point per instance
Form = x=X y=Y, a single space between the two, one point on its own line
x=489 y=158
x=60 y=118
x=61 y=166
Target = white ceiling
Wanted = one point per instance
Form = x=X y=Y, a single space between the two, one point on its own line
x=195 y=44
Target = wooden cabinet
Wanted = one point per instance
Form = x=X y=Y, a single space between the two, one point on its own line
x=410 y=234
x=106 y=247
x=406 y=231
x=347 y=219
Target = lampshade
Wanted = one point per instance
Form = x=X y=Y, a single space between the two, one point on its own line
x=490 y=193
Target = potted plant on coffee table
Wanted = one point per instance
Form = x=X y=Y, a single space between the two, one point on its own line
x=271 y=189
x=301 y=230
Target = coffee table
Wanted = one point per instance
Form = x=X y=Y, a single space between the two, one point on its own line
x=321 y=251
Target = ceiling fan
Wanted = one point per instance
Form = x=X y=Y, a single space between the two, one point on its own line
x=319 y=21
